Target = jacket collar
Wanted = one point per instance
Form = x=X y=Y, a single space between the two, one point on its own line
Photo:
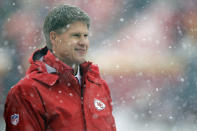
x=49 y=67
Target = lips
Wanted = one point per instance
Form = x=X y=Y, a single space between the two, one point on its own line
x=81 y=51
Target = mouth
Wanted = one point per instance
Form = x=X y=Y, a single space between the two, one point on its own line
x=81 y=51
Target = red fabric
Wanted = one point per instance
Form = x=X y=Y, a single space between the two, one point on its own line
x=52 y=101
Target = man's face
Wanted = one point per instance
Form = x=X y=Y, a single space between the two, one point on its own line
x=71 y=46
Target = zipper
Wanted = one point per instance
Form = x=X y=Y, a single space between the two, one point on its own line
x=82 y=101
x=82 y=98
x=82 y=106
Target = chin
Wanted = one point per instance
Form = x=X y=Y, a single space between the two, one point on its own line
x=80 y=61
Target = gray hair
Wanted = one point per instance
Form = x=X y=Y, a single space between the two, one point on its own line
x=60 y=17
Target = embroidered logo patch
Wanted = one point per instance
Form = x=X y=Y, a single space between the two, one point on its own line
x=99 y=105
x=15 y=119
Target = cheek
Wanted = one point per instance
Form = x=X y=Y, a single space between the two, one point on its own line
x=60 y=42
x=67 y=49
x=74 y=41
x=88 y=44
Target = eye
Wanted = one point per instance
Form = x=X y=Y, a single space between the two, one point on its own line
x=76 y=35
x=85 y=35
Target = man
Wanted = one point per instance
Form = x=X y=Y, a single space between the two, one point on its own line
x=61 y=91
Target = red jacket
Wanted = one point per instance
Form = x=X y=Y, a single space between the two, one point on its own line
x=50 y=98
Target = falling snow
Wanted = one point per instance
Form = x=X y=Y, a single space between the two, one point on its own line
x=146 y=51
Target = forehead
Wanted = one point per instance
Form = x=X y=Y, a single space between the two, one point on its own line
x=77 y=27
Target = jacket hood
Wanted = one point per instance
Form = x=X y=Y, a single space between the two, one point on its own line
x=38 y=68
x=36 y=55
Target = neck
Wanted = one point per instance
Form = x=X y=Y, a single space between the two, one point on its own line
x=73 y=66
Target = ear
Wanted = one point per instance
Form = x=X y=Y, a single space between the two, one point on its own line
x=52 y=36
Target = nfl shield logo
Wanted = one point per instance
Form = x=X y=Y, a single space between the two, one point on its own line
x=15 y=119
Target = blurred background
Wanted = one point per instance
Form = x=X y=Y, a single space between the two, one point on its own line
x=146 y=51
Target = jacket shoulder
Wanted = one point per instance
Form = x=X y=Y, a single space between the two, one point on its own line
x=34 y=80
x=94 y=67
x=26 y=90
x=94 y=75
x=95 y=70
x=24 y=86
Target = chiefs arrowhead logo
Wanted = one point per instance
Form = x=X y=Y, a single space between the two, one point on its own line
x=99 y=105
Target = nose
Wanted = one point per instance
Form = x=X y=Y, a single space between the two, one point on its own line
x=84 y=41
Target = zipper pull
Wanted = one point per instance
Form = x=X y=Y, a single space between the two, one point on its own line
x=82 y=100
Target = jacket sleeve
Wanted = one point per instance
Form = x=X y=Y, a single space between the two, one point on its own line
x=21 y=111
x=113 y=125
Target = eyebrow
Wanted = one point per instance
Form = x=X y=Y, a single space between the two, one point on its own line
x=77 y=33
